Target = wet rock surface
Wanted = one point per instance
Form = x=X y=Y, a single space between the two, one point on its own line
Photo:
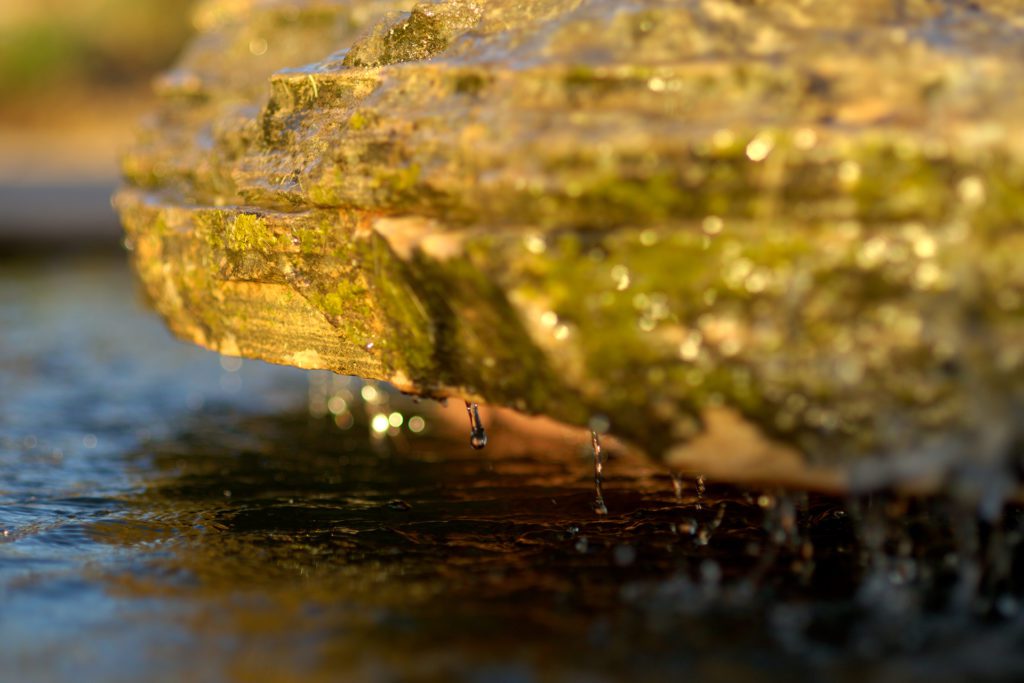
x=771 y=240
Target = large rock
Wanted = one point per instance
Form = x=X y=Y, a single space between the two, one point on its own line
x=795 y=224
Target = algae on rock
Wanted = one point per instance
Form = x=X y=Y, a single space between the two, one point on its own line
x=790 y=223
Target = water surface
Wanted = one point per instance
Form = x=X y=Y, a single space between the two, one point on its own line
x=166 y=514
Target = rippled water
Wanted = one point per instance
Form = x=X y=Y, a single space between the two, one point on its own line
x=168 y=515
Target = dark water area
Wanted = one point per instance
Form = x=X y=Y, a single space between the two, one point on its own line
x=166 y=514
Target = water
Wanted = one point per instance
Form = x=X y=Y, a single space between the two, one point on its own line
x=477 y=433
x=677 y=484
x=166 y=514
x=599 y=505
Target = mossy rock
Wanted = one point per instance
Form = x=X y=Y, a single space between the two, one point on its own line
x=793 y=225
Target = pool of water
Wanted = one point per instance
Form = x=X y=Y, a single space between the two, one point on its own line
x=167 y=514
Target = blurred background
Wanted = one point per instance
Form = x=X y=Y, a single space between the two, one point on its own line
x=75 y=77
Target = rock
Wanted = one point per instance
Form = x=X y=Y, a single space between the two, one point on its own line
x=791 y=226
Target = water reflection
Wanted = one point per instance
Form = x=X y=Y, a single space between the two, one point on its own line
x=428 y=560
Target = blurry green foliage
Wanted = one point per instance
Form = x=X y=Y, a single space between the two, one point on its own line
x=56 y=43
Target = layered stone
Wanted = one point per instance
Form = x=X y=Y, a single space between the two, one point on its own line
x=791 y=224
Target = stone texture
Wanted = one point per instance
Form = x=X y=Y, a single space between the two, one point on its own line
x=790 y=224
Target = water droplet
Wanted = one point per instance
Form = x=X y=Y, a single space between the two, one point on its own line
x=677 y=484
x=477 y=434
x=687 y=525
x=599 y=506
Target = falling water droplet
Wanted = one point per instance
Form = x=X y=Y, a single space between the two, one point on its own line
x=677 y=484
x=477 y=435
x=599 y=506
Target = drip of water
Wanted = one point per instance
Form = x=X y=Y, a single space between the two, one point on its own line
x=477 y=434
x=700 y=491
x=704 y=533
x=677 y=485
x=599 y=506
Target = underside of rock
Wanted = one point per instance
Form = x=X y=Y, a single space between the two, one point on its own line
x=793 y=226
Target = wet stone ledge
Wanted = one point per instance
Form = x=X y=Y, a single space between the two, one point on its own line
x=767 y=241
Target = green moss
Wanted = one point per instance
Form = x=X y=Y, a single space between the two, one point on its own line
x=417 y=35
x=234 y=231
x=400 y=298
x=325 y=190
x=343 y=298
x=361 y=119
x=397 y=184
x=620 y=199
x=313 y=240
x=248 y=231
x=647 y=292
